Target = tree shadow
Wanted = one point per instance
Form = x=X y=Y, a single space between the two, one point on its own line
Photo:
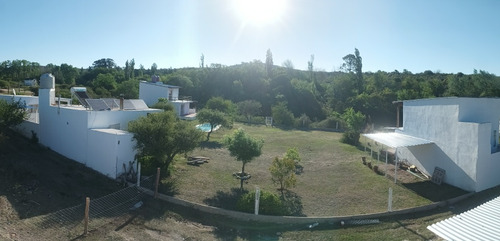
x=169 y=187
x=210 y=145
x=226 y=200
x=434 y=192
x=292 y=203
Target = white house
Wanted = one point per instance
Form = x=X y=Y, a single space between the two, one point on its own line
x=152 y=91
x=458 y=135
x=95 y=134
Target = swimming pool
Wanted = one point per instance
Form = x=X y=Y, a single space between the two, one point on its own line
x=205 y=127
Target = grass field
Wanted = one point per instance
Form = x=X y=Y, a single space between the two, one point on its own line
x=334 y=181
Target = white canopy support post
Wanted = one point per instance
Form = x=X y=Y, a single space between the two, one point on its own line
x=395 y=165
x=385 y=163
x=378 y=155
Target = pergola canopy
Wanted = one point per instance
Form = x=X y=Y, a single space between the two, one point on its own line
x=396 y=140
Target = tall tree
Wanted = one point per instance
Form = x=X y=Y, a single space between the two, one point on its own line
x=154 y=68
x=106 y=63
x=269 y=63
x=310 y=67
x=244 y=148
x=161 y=136
x=202 y=61
x=353 y=63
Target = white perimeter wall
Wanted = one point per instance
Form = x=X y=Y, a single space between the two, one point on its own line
x=103 y=119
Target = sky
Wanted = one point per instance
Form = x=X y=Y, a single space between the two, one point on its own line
x=447 y=36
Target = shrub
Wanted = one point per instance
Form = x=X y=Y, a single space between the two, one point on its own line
x=269 y=204
x=350 y=137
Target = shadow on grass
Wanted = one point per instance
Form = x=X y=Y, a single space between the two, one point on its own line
x=210 y=145
x=292 y=203
x=433 y=191
x=168 y=187
x=226 y=200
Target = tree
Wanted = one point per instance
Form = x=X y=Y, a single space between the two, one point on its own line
x=355 y=122
x=160 y=137
x=11 y=114
x=283 y=169
x=310 y=67
x=154 y=68
x=220 y=104
x=104 y=63
x=244 y=148
x=249 y=108
x=202 y=61
x=214 y=118
x=269 y=63
x=353 y=63
x=281 y=115
x=288 y=64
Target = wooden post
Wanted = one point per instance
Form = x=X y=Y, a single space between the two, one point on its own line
x=86 y=216
x=138 y=174
x=157 y=182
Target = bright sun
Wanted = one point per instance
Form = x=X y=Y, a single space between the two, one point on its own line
x=259 y=12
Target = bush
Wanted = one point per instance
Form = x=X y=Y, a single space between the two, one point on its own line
x=350 y=137
x=270 y=204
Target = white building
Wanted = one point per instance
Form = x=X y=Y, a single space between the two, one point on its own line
x=458 y=135
x=152 y=91
x=95 y=135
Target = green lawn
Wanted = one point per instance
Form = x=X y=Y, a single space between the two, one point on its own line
x=334 y=181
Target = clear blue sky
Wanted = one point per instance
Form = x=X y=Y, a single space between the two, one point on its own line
x=445 y=35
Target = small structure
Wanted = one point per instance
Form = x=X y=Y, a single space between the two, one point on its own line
x=460 y=136
x=152 y=91
x=30 y=82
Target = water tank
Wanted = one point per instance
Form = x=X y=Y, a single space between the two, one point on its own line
x=47 y=81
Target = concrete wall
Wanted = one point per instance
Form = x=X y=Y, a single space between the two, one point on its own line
x=104 y=119
x=108 y=150
x=465 y=131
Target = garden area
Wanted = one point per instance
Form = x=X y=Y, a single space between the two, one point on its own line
x=333 y=181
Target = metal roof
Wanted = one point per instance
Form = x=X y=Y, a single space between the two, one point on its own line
x=395 y=140
x=480 y=223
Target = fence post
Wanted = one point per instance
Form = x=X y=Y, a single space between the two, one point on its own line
x=257 y=200
x=138 y=174
x=157 y=181
x=389 y=201
x=86 y=216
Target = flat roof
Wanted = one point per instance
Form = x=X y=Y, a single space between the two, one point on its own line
x=395 y=140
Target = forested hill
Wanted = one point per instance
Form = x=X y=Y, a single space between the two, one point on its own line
x=310 y=95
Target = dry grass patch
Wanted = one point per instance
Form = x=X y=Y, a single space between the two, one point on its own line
x=334 y=181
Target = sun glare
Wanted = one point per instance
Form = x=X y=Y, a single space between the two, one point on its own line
x=260 y=12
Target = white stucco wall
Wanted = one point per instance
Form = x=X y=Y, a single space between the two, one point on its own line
x=463 y=130
x=104 y=119
x=151 y=92
x=108 y=150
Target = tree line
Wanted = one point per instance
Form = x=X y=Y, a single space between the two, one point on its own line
x=294 y=97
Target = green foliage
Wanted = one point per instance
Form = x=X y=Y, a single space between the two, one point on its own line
x=282 y=116
x=164 y=104
x=249 y=108
x=160 y=137
x=243 y=147
x=355 y=120
x=214 y=118
x=350 y=137
x=269 y=203
x=283 y=172
x=220 y=104
x=129 y=89
x=11 y=114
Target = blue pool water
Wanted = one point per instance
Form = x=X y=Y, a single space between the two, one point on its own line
x=205 y=127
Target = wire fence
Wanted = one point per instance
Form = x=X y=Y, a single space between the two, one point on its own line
x=69 y=223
